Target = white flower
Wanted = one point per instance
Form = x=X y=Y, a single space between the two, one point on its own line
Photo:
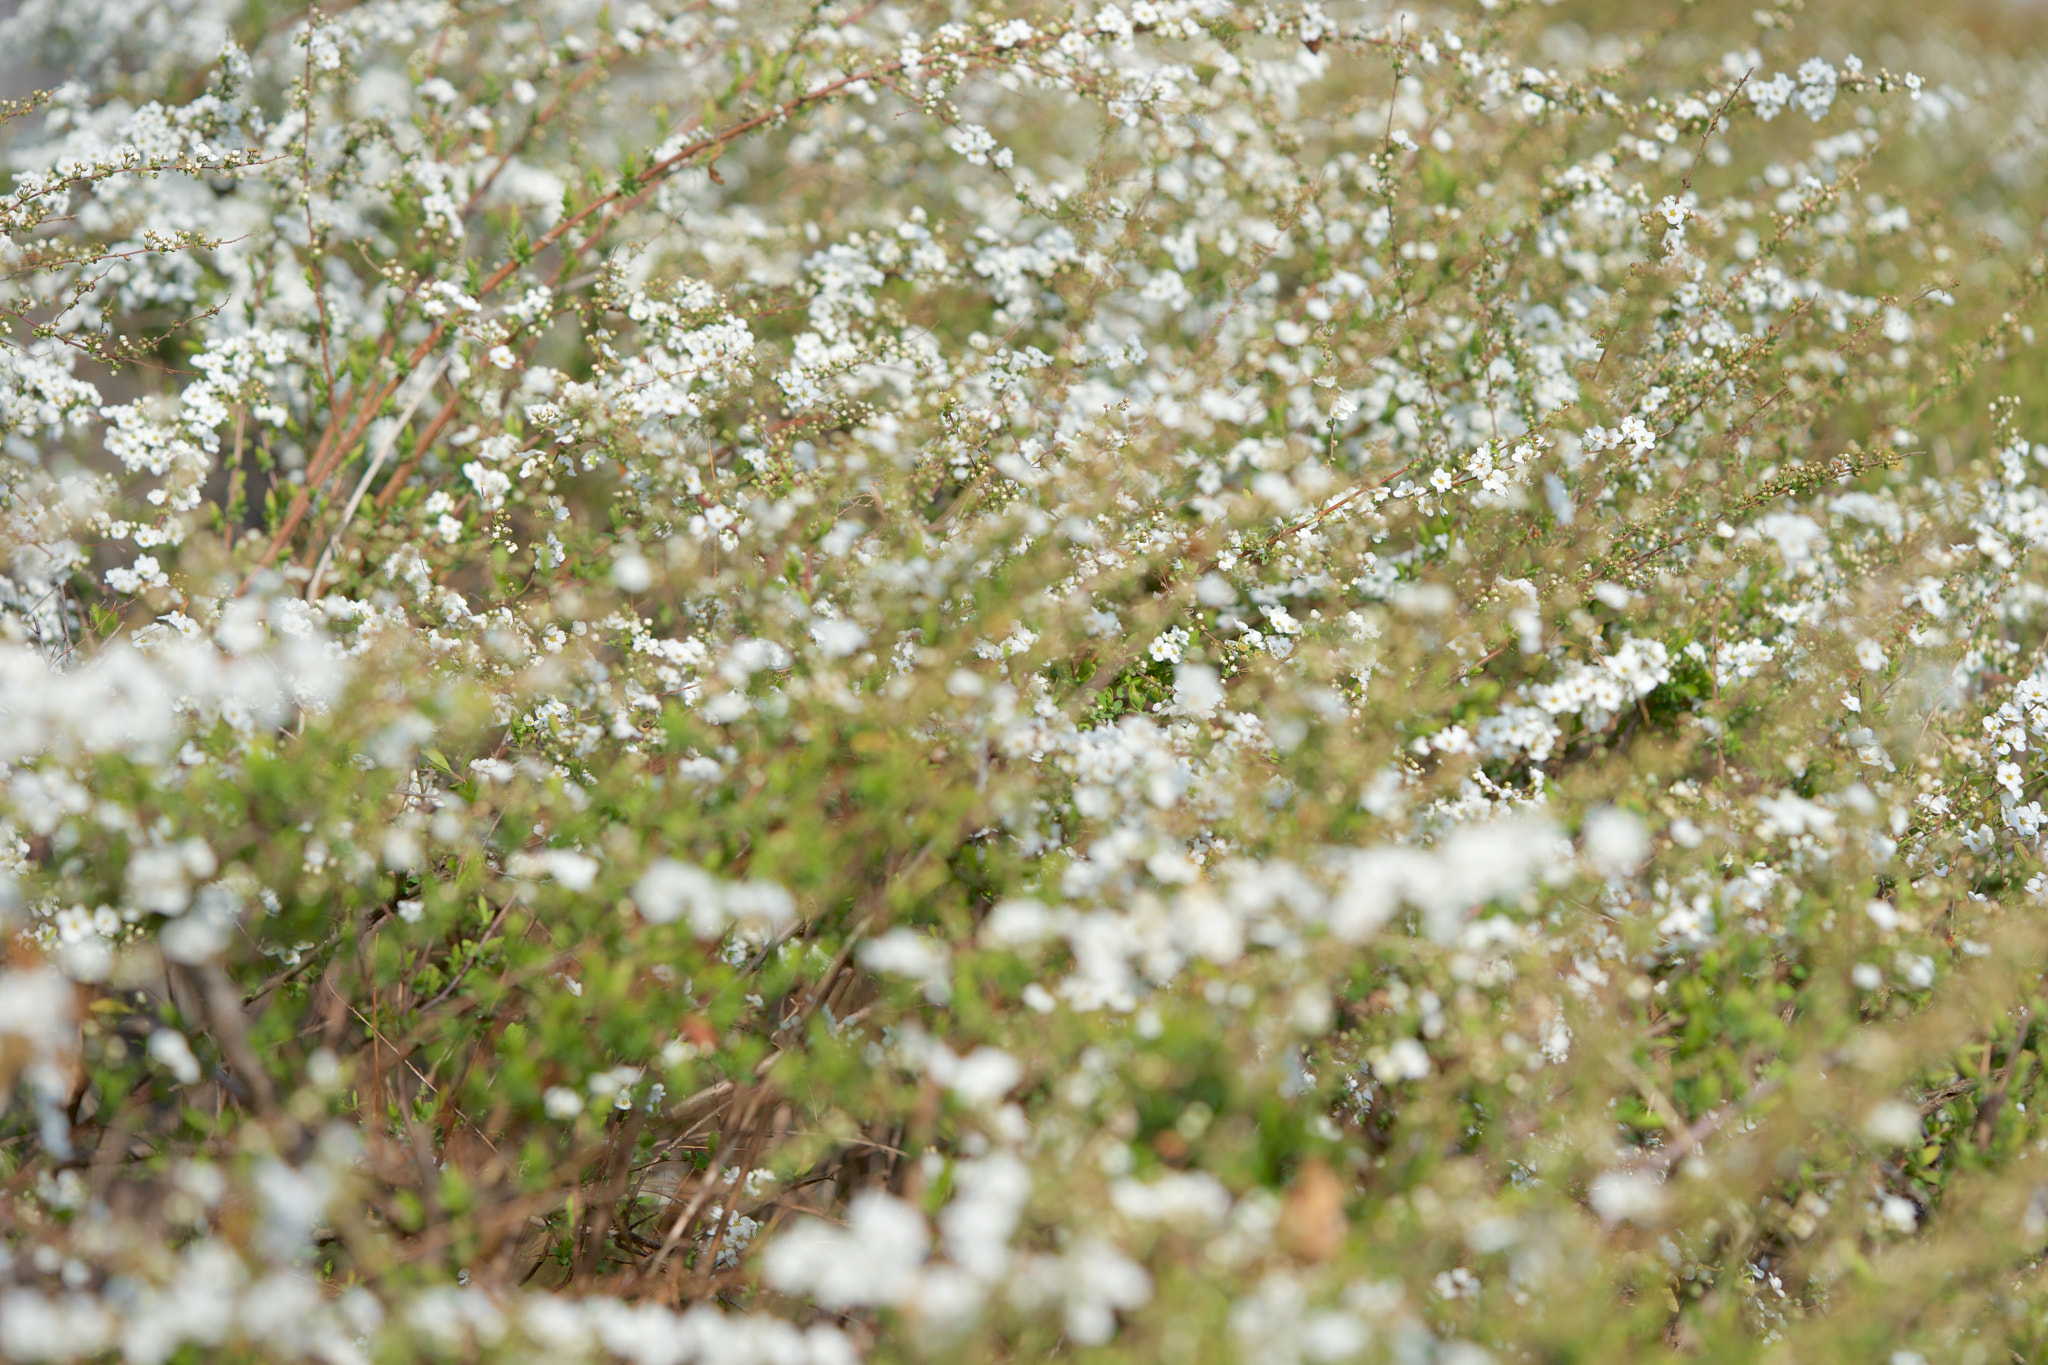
x=669 y=891
x=1893 y=1123
x=168 y=1048
x=2010 y=777
x=873 y=1261
x=491 y=484
x=1168 y=646
x=1402 y=1060
x=972 y=141
x=573 y=870
x=838 y=637
x=632 y=572
x=905 y=952
x=145 y=573
x=1626 y=1197
x=1197 y=690
x=1615 y=841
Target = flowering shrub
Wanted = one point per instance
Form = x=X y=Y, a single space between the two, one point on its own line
x=1163 y=682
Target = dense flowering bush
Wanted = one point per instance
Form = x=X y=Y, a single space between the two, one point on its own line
x=1173 y=681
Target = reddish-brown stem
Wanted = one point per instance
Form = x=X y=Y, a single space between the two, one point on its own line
x=389 y=493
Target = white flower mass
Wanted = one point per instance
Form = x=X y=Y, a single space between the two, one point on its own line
x=789 y=684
